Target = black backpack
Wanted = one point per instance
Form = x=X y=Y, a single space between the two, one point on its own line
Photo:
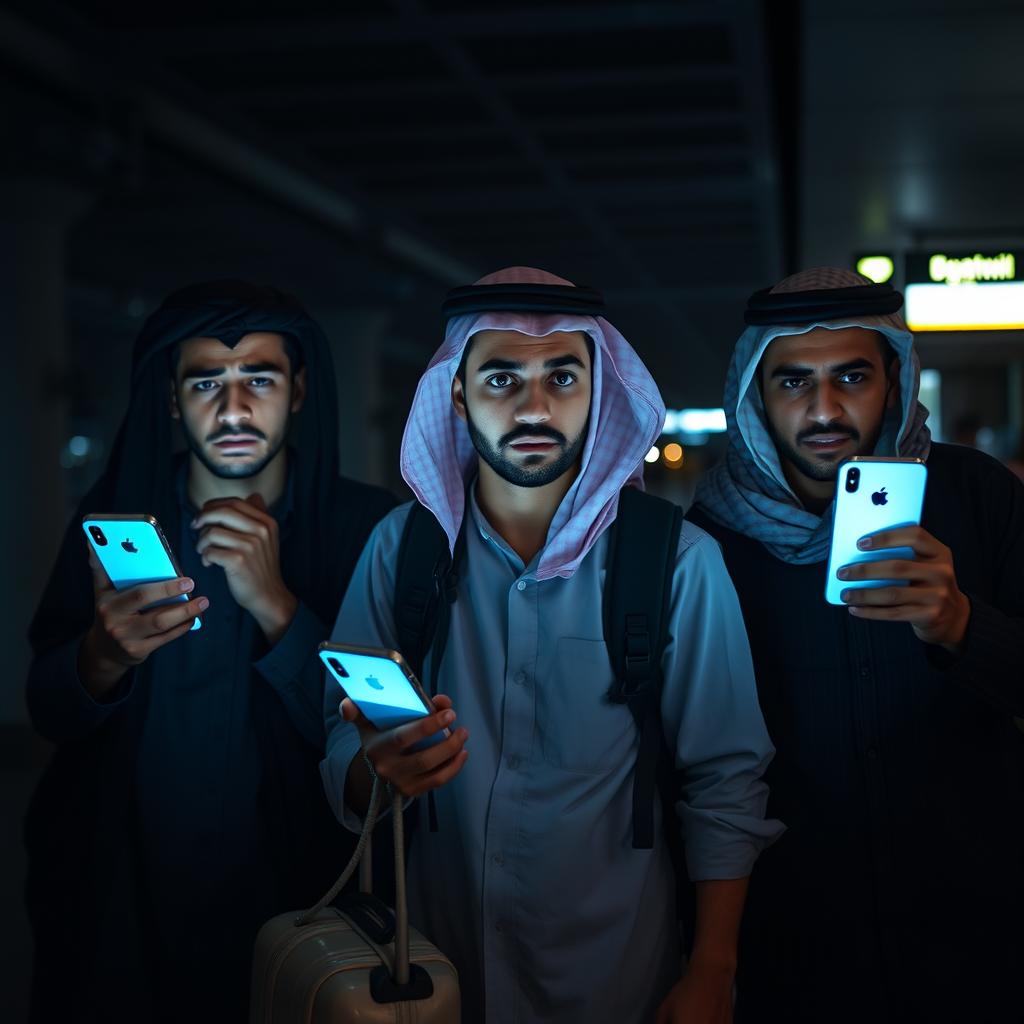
x=642 y=550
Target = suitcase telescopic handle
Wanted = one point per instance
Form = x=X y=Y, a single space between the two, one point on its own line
x=400 y=974
x=357 y=856
x=402 y=982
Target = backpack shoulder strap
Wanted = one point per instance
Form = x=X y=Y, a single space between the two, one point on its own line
x=422 y=577
x=637 y=594
x=426 y=583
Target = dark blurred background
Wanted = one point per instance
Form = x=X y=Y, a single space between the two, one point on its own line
x=367 y=156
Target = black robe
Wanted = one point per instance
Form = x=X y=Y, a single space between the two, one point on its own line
x=896 y=894
x=99 y=908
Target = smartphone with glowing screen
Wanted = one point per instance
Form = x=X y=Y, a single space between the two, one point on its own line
x=381 y=685
x=133 y=550
x=872 y=494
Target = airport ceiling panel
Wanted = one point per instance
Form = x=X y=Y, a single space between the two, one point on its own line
x=449 y=112
x=618 y=142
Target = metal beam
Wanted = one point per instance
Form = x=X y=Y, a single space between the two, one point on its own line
x=550 y=80
x=588 y=165
x=608 y=126
x=535 y=199
x=578 y=200
x=191 y=127
x=334 y=33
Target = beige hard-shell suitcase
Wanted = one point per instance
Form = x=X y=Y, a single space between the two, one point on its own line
x=359 y=963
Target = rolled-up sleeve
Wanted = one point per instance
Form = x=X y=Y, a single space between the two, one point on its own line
x=712 y=719
x=366 y=618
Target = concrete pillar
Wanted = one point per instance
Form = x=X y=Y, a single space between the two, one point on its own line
x=35 y=217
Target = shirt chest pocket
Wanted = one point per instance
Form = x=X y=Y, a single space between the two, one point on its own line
x=579 y=729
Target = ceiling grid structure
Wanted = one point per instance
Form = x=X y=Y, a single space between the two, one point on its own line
x=625 y=145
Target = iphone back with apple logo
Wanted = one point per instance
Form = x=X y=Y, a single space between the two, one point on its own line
x=380 y=683
x=133 y=551
x=872 y=494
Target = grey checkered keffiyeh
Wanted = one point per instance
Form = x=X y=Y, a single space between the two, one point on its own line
x=626 y=418
x=747 y=491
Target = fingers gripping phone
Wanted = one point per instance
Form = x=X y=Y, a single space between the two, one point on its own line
x=872 y=494
x=381 y=685
x=133 y=550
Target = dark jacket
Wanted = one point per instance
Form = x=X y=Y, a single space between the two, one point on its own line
x=156 y=928
x=897 y=892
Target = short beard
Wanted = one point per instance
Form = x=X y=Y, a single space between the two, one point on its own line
x=229 y=472
x=517 y=476
x=820 y=471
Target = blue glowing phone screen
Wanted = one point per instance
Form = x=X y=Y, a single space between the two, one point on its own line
x=377 y=686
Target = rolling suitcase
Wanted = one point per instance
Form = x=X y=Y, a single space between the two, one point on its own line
x=356 y=961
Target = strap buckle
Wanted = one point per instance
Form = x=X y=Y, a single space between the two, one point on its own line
x=638 y=668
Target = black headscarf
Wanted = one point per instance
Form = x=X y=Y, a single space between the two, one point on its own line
x=137 y=478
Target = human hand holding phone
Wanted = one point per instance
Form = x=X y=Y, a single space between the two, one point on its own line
x=122 y=635
x=411 y=772
x=929 y=598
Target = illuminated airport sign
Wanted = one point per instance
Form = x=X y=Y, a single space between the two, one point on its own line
x=965 y=291
x=694 y=421
x=692 y=427
x=878 y=268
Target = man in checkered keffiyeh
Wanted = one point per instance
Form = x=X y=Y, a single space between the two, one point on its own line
x=623 y=419
x=897 y=893
x=524 y=429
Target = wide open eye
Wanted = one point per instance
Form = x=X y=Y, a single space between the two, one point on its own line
x=500 y=381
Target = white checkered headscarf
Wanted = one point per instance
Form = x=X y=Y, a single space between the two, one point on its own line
x=626 y=417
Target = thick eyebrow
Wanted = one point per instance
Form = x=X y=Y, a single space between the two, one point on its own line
x=791 y=370
x=203 y=372
x=555 y=363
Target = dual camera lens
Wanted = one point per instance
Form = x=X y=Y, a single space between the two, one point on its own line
x=338 y=667
x=98 y=535
x=852 y=479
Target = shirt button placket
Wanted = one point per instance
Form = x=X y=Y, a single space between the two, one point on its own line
x=517 y=725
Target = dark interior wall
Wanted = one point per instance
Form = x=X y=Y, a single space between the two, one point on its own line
x=981 y=391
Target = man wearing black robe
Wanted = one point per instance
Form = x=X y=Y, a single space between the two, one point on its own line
x=183 y=804
x=896 y=894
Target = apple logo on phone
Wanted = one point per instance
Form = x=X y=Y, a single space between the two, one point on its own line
x=879 y=497
x=129 y=547
x=374 y=682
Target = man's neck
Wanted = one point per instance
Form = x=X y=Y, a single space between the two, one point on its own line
x=521 y=515
x=814 y=495
x=269 y=483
